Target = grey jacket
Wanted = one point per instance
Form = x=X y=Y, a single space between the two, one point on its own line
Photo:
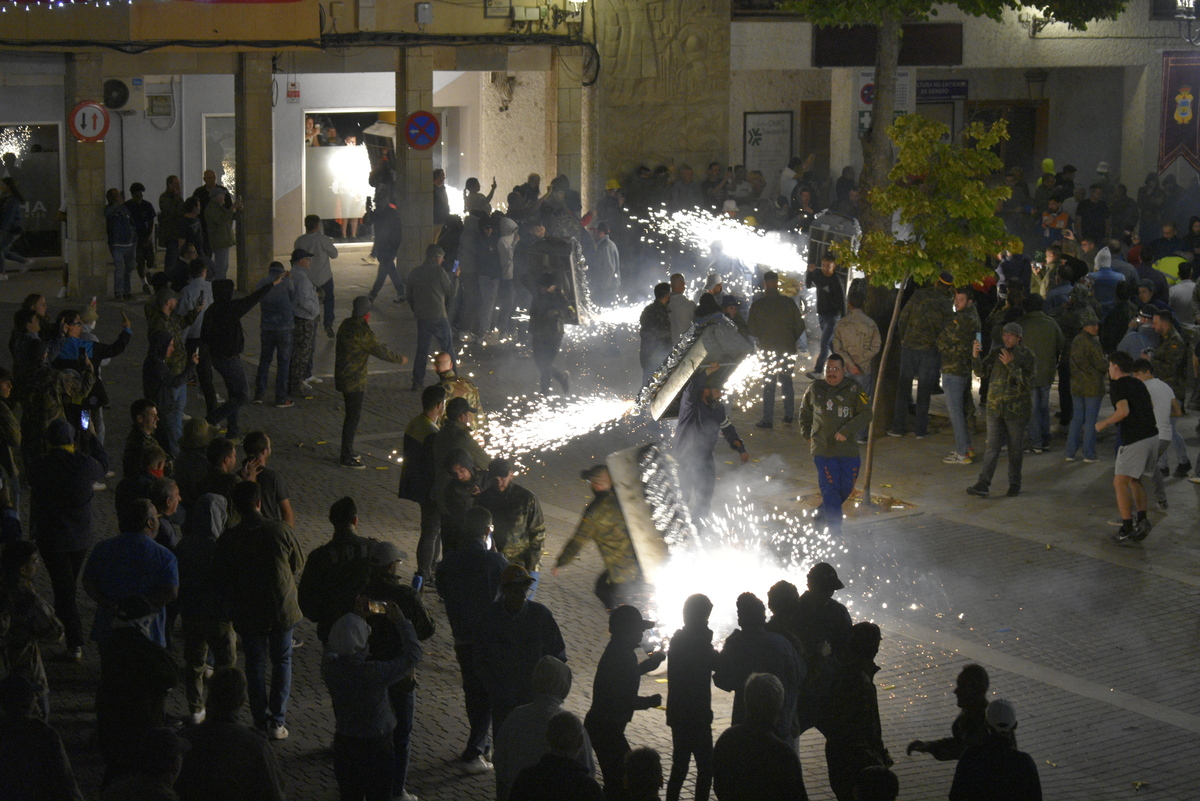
x=429 y=287
x=320 y=271
x=358 y=687
x=306 y=306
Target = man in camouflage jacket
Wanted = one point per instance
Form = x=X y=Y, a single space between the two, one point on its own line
x=518 y=526
x=955 y=345
x=920 y=323
x=833 y=410
x=1169 y=364
x=1010 y=369
x=356 y=344
x=621 y=582
x=458 y=387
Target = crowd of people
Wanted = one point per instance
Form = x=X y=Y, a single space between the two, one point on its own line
x=206 y=555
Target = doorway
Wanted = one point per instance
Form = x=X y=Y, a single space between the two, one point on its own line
x=31 y=157
x=815 y=120
x=1028 y=130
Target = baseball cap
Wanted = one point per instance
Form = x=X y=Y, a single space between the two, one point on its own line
x=361 y=306
x=458 y=406
x=1013 y=328
x=730 y=300
x=1148 y=310
x=386 y=553
x=500 y=467
x=712 y=282
x=627 y=618
x=300 y=253
x=1002 y=715
x=824 y=577
x=515 y=574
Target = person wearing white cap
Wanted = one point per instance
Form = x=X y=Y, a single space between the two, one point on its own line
x=994 y=768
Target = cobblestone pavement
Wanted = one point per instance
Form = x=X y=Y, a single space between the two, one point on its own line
x=1095 y=644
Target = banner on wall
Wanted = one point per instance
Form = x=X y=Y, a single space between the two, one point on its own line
x=1179 y=133
x=766 y=141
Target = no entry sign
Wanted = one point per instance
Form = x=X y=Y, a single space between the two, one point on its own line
x=89 y=121
x=421 y=130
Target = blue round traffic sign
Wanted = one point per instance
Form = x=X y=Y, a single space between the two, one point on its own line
x=421 y=130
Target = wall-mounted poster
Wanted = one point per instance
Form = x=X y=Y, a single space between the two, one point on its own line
x=766 y=141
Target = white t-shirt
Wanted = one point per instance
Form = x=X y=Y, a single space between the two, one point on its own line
x=1161 y=396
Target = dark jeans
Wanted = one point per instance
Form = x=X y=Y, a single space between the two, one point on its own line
x=544 y=359
x=836 y=476
x=236 y=387
x=488 y=290
x=362 y=768
x=479 y=706
x=277 y=647
x=64 y=567
x=686 y=742
x=404 y=704
x=427 y=332
x=386 y=253
x=354 y=403
x=144 y=257
x=844 y=763
x=784 y=379
x=123 y=260
x=278 y=345
x=1003 y=431
x=1066 y=407
x=327 y=302
x=610 y=745
x=506 y=302
x=613 y=595
x=204 y=374
x=428 y=545
x=200 y=634
x=828 y=322
x=924 y=366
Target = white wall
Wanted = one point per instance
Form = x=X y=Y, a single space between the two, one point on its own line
x=514 y=141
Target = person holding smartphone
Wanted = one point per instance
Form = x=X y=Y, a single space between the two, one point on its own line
x=1009 y=404
x=956 y=347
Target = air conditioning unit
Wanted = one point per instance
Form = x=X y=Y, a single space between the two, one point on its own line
x=126 y=95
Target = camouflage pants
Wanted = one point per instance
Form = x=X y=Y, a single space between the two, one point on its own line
x=304 y=338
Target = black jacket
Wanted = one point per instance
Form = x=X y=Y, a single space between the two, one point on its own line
x=60 y=506
x=555 y=778
x=691 y=660
x=222 y=326
x=158 y=382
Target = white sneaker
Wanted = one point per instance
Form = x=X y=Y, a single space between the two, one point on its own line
x=198 y=717
x=276 y=731
x=407 y=796
x=956 y=458
x=312 y=379
x=477 y=765
x=98 y=486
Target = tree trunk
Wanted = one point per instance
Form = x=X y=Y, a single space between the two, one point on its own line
x=879 y=382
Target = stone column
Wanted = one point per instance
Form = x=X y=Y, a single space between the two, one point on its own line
x=566 y=67
x=414 y=168
x=86 y=247
x=254 y=141
x=845 y=142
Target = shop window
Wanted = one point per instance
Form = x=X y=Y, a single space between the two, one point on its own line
x=31 y=157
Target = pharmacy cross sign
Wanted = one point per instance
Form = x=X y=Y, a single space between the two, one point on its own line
x=89 y=121
x=421 y=130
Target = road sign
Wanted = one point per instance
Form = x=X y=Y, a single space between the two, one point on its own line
x=421 y=130
x=89 y=121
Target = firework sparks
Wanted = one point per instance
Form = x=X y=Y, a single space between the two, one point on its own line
x=749 y=245
x=744 y=384
x=527 y=427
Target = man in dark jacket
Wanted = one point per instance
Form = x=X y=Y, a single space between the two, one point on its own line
x=547 y=314
x=615 y=695
x=416 y=478
x=222 y=332
x=141 y=436
x=336 y=573
x=519 y=527
x=430 y=287
x=454 y=435
x=654 y=329
x=467 y=581
x=60 y=515
x=160 y=384
x=853 y=734
x=749 y=762
x=558 y=775
x=257 y=562
x=701 y=417
x=776 y=323
x=970 y=727
x=691 y=660
x=822 y=626
x=994 y=769
x=458 y=498
x=356 y=343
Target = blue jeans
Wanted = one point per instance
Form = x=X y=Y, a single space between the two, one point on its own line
x=1039 y=420
x=956 y=387
x=175 y=427
x=427 y=331
x=220 y=263
x=1180 y=448
x=404 y=704
x=924 y=366
x=124 y=257
x=236 y=388
x=277 y=646
x=784 y=379
x=827 y=321
x=836 y=476
x=277 y=344
x=1084 y=412
x=327 y=302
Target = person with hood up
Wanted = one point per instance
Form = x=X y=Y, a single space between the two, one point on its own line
x=222 y=332
x=358 y=687
x=701 y=417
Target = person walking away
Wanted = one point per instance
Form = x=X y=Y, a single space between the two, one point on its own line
x=336 y=573
x=356 y=343
x=1043 y=336
x=170 y=220
x=321 y=249
x=654 y=332
x=776 y=324
x=276 y=329
x=830 y=284
x=615 y=695
x=1009 y=370
x=921 y=321
x=218 y=215
x=681 y=307
x=608 y=266
x=416 y=479
x=547 y=314
x=141 y=212
x=832 y=411
x=223 y=335
x=856 y=339
x=358 y=688
x=258 y=563
x=1133 y=414
x=955 y=344
x=457 y=386
x=751 y=763
x=387 y=225
x=1089 y=368
x=853 y=733
x=429 y=288
x=307 y=316
x=691 y=660
x=198 y=293
x=994 y=769
x=122 y=242
x=1169 y=361
x=1166 y=407
x=12 y=225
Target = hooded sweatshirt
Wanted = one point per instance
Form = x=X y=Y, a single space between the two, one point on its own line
x=222 y=326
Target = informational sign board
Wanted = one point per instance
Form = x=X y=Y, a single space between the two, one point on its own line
x=766 y=141
x=293 y=92
x=421 y=130
x=89 y=121
x=906 y=100
x=945 y=91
